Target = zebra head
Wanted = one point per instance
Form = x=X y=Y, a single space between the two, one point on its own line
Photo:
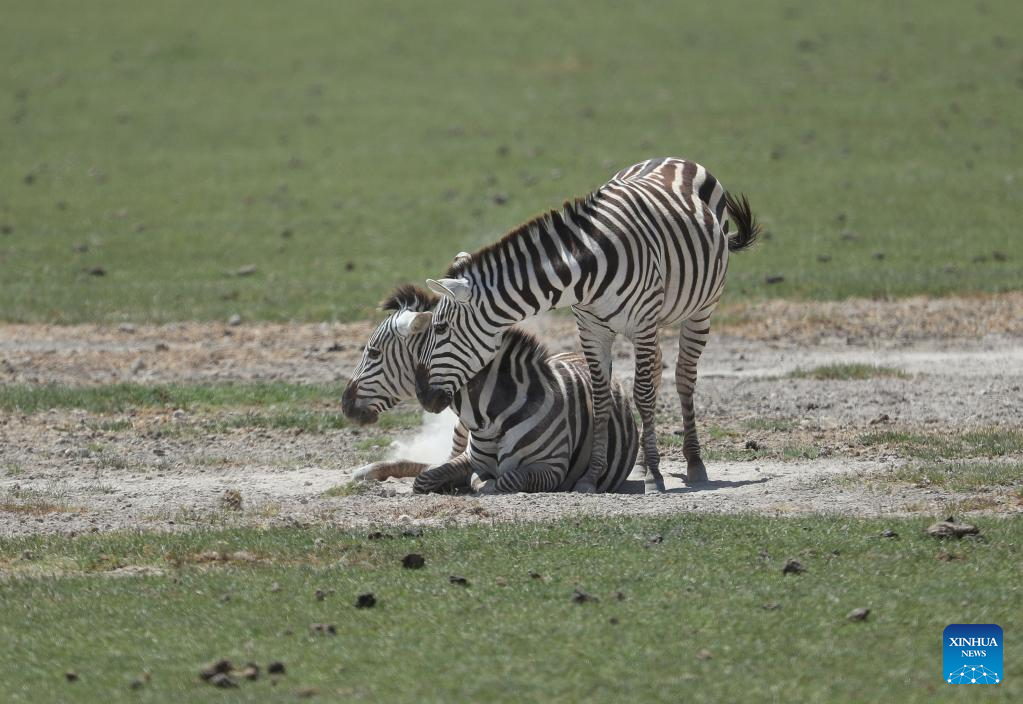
x=386 y=373
x=462 y=340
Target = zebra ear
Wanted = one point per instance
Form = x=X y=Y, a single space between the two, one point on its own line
x=409 y=322
x=457 y=290
x=461 y=258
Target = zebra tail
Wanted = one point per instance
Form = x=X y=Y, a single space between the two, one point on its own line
x=749 y=228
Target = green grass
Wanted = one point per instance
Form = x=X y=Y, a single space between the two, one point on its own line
x=692 y=624
x=984 y=442
x=846 y=372
x=110 y=398
x=961 y=476
x=346 y=147
x=348 y=489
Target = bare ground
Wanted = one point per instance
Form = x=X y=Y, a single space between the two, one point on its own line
x=61 y=471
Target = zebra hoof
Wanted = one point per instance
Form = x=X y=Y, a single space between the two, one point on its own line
x=585 y=487
x=654 y=485
x=696 y=473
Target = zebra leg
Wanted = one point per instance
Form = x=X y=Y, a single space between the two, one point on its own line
x=448 y=476
x=691 y=341
x=391 y=468
x=596 y=339
x=531 y=478
x=644 y=390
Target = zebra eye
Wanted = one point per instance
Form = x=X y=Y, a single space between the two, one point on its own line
x=440 y=328
x=373 y=353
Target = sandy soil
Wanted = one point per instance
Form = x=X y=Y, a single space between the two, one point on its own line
x=60 y=472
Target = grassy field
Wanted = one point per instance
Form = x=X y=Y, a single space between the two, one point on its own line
x=693 y=608
x=293 y=161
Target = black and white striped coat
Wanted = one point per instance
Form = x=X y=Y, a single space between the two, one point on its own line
x=524 y=420
x=647 y=249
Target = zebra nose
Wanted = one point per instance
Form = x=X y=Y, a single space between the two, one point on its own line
x=431 y=398
x=352 y=409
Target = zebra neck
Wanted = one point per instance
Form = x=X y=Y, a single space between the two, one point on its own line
x=545 y=264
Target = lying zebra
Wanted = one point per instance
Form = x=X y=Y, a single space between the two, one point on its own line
x=524 y=419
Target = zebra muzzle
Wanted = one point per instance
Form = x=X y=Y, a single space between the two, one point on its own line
x=353 y=410
x=430 y=397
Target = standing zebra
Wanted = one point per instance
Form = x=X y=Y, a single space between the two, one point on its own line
x=647 y=249
x=524 y=420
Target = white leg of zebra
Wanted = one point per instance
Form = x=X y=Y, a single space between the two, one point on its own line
x=596 y=339
x=645 y=387
x=691 y=341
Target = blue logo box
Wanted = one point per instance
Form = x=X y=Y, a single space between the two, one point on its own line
x=972 y=653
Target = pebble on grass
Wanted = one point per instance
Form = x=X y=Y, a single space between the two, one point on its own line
x=366 y=601
x=275 y=668
x=459 y=580
x=859 y=614
x=71 y=676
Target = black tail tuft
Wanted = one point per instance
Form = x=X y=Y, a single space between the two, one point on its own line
x=749 y=229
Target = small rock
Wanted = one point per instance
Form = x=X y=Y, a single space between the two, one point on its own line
x=948 y=529
x=275 y=587
x=71 y=676
x=613 y=620
x=883 y=418
x=859 y=614
x=753 y=445
x=581 y=597
x=889 y=533
x=535 y=575
x=460 y=581
x=704 y=654
x=126 y=327
x=222 y=680
x=413 y=561
x=366 y=601
x=235 y=320
x=247 y=270
x=275 y=668
x=322 y=629
x=214 y=668
x=774 y=279
x=793 y=567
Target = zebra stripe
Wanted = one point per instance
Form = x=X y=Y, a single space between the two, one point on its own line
x=647 y=249
x=525 y=420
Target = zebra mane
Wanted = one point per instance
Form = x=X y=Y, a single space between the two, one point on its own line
x=410 y=297
x=543 y=220
x=518 y=339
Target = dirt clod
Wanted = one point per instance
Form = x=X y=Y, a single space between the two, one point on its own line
x=793 y=567
x=214 y=668
x=366 y=601
x=948 y=529
x=413 y=561
x=859 y=614
x=581 y=597
x=71 y=676
x=275 y=668
x=232 y=500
